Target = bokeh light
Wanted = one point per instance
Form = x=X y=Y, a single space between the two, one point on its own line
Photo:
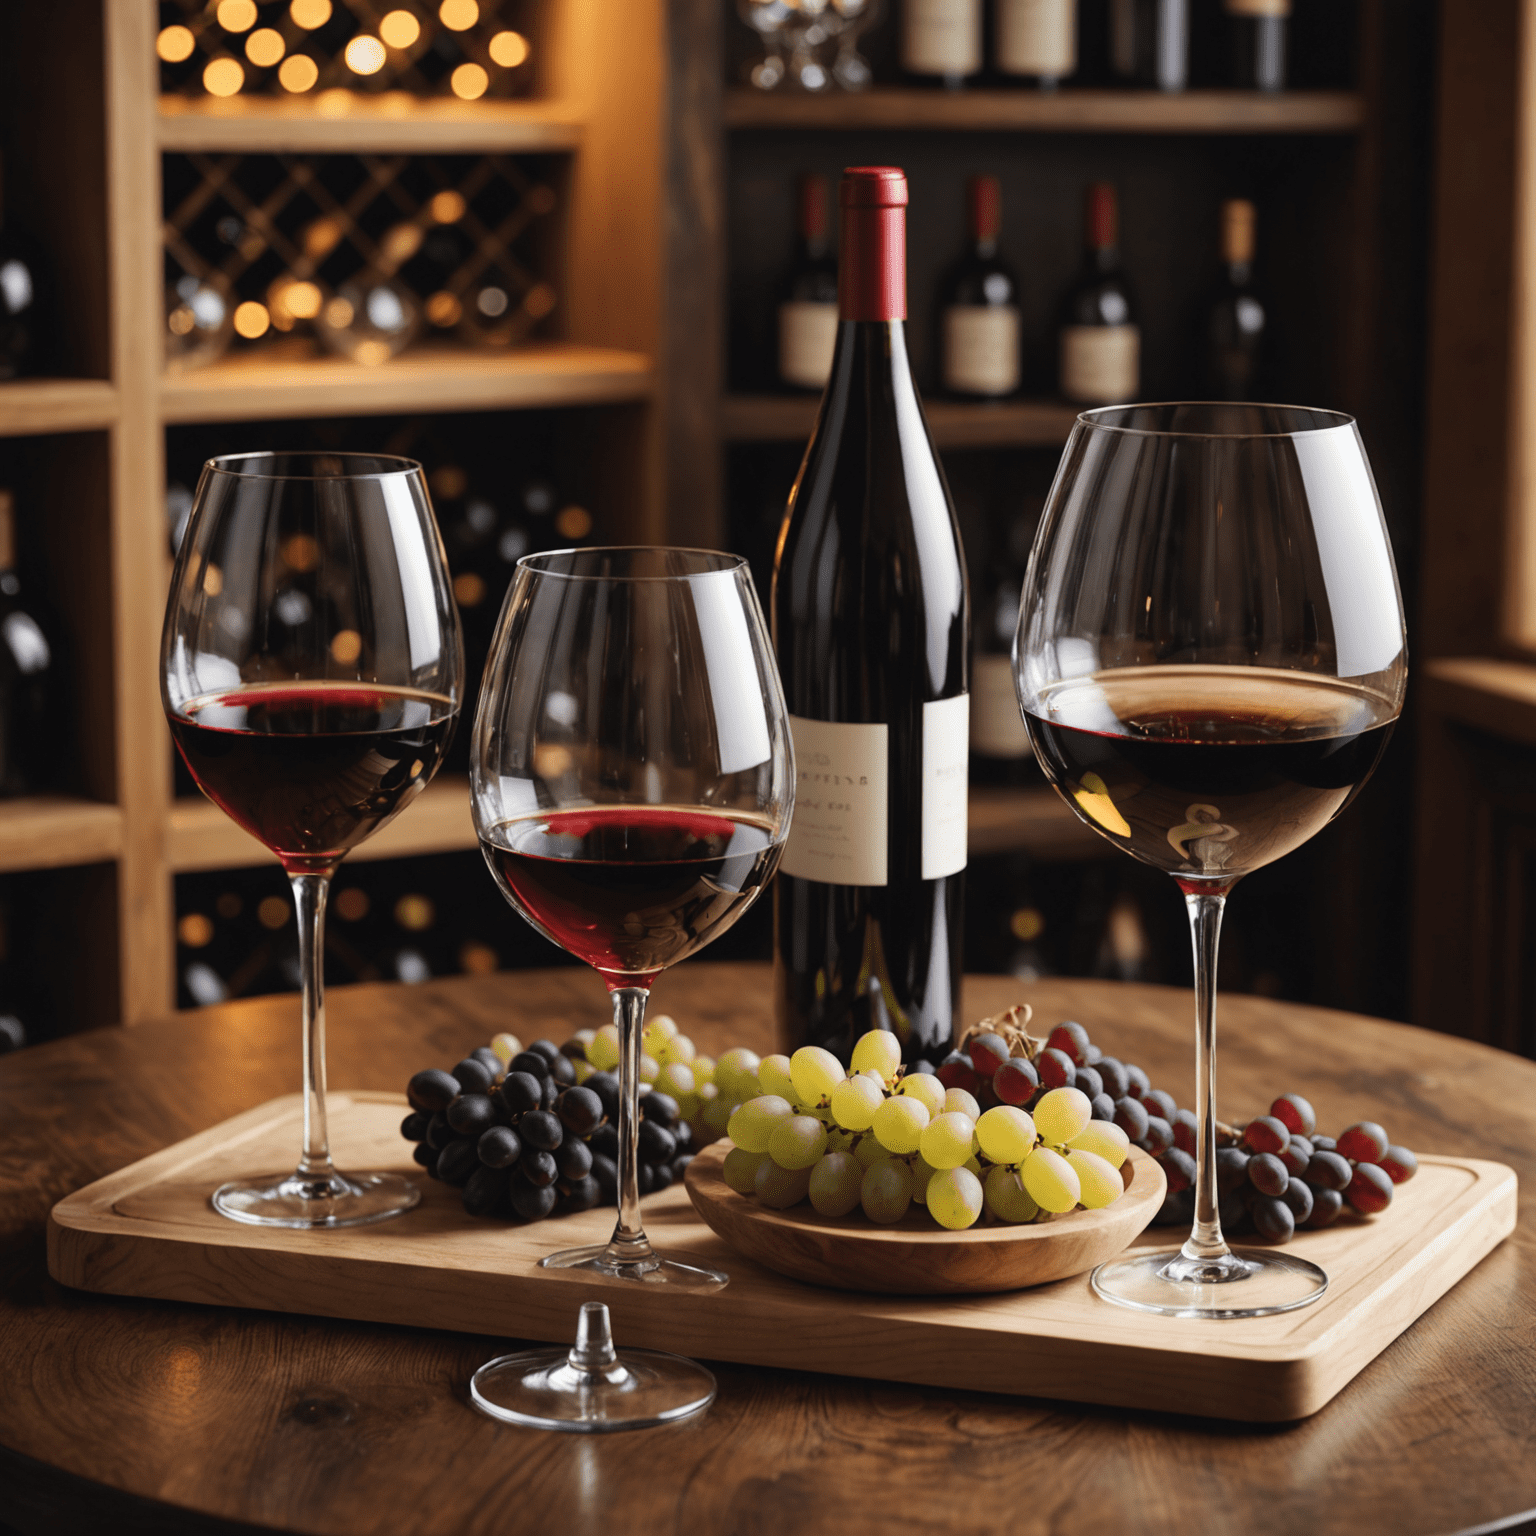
x=299 y=73
x=443 y=309
x=509 y=49
x=310 y=14
x=399 y=29
x=252 y=319
x=237 y=15
x=447 y=207
x=365 y=55
x=458 y=15
x=264 y=47
x=223 y=77
x=469 y=82
x=573 y=522
x=175 y=44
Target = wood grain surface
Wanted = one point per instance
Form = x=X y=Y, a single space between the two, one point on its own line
x=159 y=1417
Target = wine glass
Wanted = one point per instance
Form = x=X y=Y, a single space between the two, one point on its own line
x=633 y=779
x=1210 y=658
x=311 y=668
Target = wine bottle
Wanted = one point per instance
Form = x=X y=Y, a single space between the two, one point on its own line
x=870 y=621
x=1000 y=748
x=20 y=280
x=1100 y=340
x=1257 y=30
x=979 y=305
x=1235 y=319
x=808 y=313
x=941 y=37
x=1149 y=42
x=1036 y=39
x=29 y=727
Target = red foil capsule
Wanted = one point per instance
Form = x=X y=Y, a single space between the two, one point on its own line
x=872 y=264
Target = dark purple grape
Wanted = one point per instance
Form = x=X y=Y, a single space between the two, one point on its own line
x=1056 y=1069
x=541 y=1130
x=545 y=1048
x=645 y=1176
x=537 y=1168
x=1179 y=1169
x=432 y=1090
x=606 y=1172
x=1327 y=1170
x=985 y=1093
x=1364 y=1142
x=1298 y=1196
x=1326 y=1205
x=583 y=1194
x=471 y=1113
x=1399 y=1164
x=1117 y=1081
x=1186 y=1131
x=680 y=1166
x=1323 y=1143
x=1266 y=1134
x=1131 y=1117
x=483 y=1190
x=533 y=1202
x=1297 y=1154
x=457 y=1161
x=1071 y=1039
x=605 y=1140
x=534 y=1063
x=1268 y=1174
x=1370 y=1190
x=1295 y=1114
x=1160 y=1103
x=1103 y=1107
x=574 y=1160
x=439 y=1132
x=606 y=1086
x=1158 y=1138
x=574 y=1048
x=472 y=1076
x=682 y=1134
x=1272 y=1219
x=1231 y=1169
x=1089 y=1082
x=923 y=1067
x=414 y=1126
x=581 y=1111
x=563 y=1071
x=660 y=1107
x=1177 y=1209
x=549 y=1091
x=426 y=1155
x=657 y=1144
x=489 y=1060
x=499 y=1147
x=1137 y=1083
x=520 y=1092
x=661 y=1175
x=1230 y=1208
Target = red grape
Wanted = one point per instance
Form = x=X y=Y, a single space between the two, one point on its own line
x=1089 y=1082
x=1399 y=1164
x=1158 y=1137
x=1116 y=1080
x=1299 y=1198
x=1370 y=1190
x=1363 y=1142
x=1015 y=1081
x=957 y=1071
x=1131 y=1117
x=1071 y=1039
x=1103 y=1107
x=1186 y=1131
x=1160 y=1103
x=1294 y=1113
x=1326 y=1205
x=1273 y=1221
x=1266 y=1134
x=1231 y=1169
x=1297 y=1155
x=1327 y=1170
x=1056 y=1068
x=1138 y=1084
x=1179 y=1169
x=987 y=1053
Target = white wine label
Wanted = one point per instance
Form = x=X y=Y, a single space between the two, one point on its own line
x=807 y=336
x=946 y=765
x=839 y=830
x=941 y=37
x=1037 y=37
x=1100 y=364
x=1279 y=8
x=997 y=727
x=981 y=348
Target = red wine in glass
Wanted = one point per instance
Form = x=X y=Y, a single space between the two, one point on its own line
x=312 y=769
x=632 y=889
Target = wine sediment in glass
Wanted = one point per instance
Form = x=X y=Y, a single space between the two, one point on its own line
x=1209 y=772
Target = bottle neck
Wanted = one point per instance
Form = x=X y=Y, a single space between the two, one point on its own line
x=872 y=271
x=986 y=247
x=1239 y=273
x=1103 y=258
x=813 y=247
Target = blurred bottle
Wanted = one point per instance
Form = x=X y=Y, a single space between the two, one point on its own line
x=1149 y=42
x=1100 y=340
x=1000 y=747
x=1257 y=32
x=31 y=717
x=808 y=311
x=941 y=38
x=1036 y=39
x=1235 y=319
x=979 y=306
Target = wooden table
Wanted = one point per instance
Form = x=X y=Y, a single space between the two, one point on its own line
x=146 y=1416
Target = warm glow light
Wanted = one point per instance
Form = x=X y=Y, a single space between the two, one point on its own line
x=401 y=242
x=264 y=47
x=478 y=959
x=469 y=82
x=181 y=320
x=458 y=15
x=338 y=314
x=468 y=590
x=365 y=55
x=310 y=14
x=195 y=930
x=491 y=301
x=371 y=353
x=399 y=29
x=415 y=912
x=509 y=49
x=539 y=300
x=442 y=309
x=573 y=522
x=302 y=300
x=300 y=552
x=252 y=319
x=298 y=73
x=447 y=207
x=321 y=238
x=351 y=904
x=237 y=15
x=449 y=481
x=175 y=44
x=335 y=102
x=346 y=646
x=272 y=913
x=223 y=77
x=213 y=581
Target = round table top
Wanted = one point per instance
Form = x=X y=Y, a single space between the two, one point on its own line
x=297 y=1423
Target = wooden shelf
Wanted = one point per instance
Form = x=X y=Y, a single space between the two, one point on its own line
x=340 y=122
x=1490 y=695
x=51 y=831
x=1055 y=111
x=1008 y=424
x=31 y=407
x=1031 y=820
x=270 y=384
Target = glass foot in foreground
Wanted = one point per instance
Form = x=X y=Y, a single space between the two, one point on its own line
x=337 y=1200
x=591 y=1388
x=1250 y=1283
x=649 y=1268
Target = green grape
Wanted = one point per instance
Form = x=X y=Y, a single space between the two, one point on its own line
x=754 y=1122
x=657 y=1032
x=1061 y=1114
x=740 y=1170
x=974 y=1164
x=798 y=1142
x=958 y=1101
x=922 y=1172
x=717 y=1112
x=1104 y=1139
x=1007 y=1198
x=815 y=1073
x=854 y=1102
x=676 y=1078
x=899 y=1124
x=773 y=1077
x=954 y=1198
x=736 y=1073
x=878 y=1051
x=1050 y=1179
x=583 y=1070
x=926 y=1089
x=703 y=1070
x=679 y=1050
x=1006 y=1134
x=508 y=1046
x=780 y=1188
x=836 y=1182
x=1099 y=1181
x=886 y=1191
x=869 y=1151
x=946 y=1141
x=650 y=1069
x=603 y=1052
x=839 y=1140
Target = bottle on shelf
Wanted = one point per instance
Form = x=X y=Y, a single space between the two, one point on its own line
x=941 y=38
x=808 y=311
x=1036 y=39
x=29 y=681
x=1257 y=32
x=1100 y=340
x=870 y=620
x=1001 y=753
x=21 y=276
x=1149 y=42
x=979 y=306
x=1235 y=319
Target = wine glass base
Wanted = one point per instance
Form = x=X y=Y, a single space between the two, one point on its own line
x=334 y=1200
x=1249 y=1283
x=647 y=1268
x=540 y=1388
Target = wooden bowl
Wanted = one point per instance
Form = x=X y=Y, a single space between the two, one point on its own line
x=917 y=1257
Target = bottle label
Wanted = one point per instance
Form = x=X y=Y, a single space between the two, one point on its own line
x=1277 y=8
x=941 y=37
x=946 y=770
x=807 y=337
x=839 y=830
x=1037 y=37
x=981 y=349
x=997 y=727
x=1100 y=364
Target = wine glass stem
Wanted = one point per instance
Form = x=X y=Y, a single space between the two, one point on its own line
x=309 y=894
x=629 y=1241
x=1205 y=910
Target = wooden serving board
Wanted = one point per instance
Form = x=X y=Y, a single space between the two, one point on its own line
x=148 y=1230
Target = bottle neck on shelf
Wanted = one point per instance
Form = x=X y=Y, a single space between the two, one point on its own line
x=1103 y=258
x=872 y=271
x=1239 y=273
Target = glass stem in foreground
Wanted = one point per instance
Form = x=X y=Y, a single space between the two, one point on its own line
x=1205 y=908
x=629 y=1243
x=309 y=894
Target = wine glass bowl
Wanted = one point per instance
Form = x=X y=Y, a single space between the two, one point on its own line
x=1210 y=658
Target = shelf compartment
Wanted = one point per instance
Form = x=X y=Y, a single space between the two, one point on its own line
x=1008 y=424
x=263 y=386
x=55 y=831
x=35 y=407
x=1241 y=112
x=350 y=124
